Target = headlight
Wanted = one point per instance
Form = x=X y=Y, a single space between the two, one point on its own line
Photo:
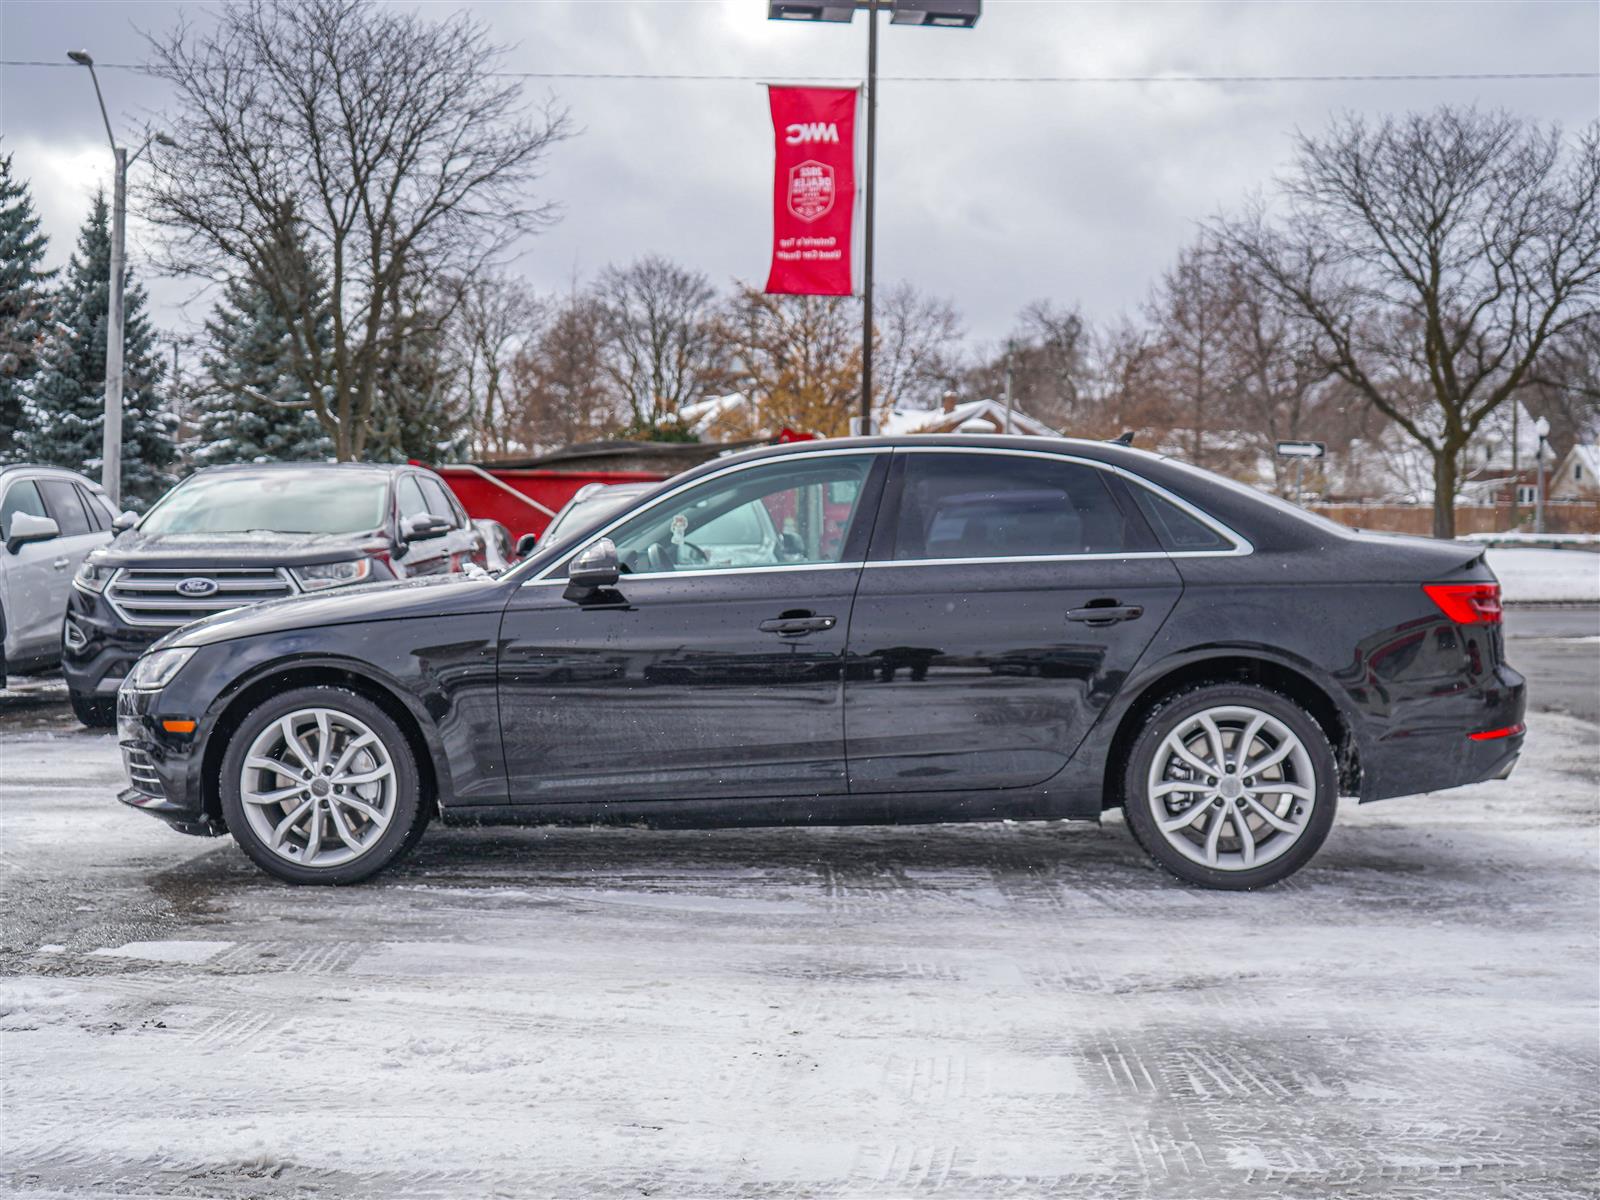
x=334 y=574
x=154 y=671
x=92 y=577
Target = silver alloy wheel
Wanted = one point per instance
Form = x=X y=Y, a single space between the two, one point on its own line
x=1232 y=788
x=318 y=787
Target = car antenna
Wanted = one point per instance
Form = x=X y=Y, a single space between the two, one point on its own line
x=1125 y=438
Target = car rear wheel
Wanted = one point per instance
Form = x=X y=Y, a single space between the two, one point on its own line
x=1230 y=786
x=97 y=712
x=319 y=785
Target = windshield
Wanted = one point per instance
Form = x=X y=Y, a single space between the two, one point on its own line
x=321 y=501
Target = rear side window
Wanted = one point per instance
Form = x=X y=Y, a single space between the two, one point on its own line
x=99 y=515
x=1176 y=529
x=1006 y=506
x=61 y=498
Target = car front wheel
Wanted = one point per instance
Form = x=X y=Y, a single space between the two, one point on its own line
x=1230 y=786
x=319 y=785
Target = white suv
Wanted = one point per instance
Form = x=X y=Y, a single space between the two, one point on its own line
x=49 y=519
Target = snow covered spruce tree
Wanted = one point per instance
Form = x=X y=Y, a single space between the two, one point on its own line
x=254 y=406
x=63 y=404
x=24 y=300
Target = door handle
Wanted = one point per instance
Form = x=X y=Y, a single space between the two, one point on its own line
x=1106 y=614
x=60 y=563
x=797 y=626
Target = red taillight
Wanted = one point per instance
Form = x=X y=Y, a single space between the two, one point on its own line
x=1489 y=735
x=1467 y=603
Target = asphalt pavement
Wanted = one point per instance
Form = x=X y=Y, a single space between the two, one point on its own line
x=982 y=1010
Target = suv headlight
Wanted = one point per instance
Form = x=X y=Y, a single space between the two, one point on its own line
x=92 y=576
x=154 y=671
x=334 y=574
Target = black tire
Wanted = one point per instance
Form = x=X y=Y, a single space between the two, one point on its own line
x=1170 y=715
x=96 y=712
x=407 y=822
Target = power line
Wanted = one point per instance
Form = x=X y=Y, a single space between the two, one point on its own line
x=1404 y=77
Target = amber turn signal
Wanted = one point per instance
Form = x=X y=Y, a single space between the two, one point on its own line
x=178 y=726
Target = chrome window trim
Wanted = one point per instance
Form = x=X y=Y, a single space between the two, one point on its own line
x=1241 y=545
x=731 y=469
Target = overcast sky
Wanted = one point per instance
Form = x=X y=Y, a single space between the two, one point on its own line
x=990 y=194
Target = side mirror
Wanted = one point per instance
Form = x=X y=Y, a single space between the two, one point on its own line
x=421 y=528
x=25 y=528
x=125 y=520
x=596 y=566
x=527 y=544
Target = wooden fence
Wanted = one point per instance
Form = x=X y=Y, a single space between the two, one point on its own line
x=1575 y=516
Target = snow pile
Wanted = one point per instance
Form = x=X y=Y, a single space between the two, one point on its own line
x=1546 y=575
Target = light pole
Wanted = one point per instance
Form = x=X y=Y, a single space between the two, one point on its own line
x=946 y=14
x=111 y=442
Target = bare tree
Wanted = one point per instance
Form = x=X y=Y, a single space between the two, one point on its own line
x=560 y=391
x=1437 y=255
x=1189 y=313
x=797 y=357
x=495 y=318
x=405 y=158
x=915 y=353
x=661 y=341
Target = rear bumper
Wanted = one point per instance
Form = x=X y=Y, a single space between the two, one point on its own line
x=1442 y=753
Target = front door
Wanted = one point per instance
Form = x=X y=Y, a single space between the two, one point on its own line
x=1008 y=596
x=715 y=668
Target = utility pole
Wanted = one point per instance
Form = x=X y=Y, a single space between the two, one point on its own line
x=872 y=196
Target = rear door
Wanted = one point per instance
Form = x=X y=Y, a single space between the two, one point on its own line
x=1006 y=597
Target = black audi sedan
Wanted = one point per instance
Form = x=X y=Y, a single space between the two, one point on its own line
x=870 y=630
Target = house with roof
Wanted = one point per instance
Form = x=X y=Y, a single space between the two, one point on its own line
x=973 y=416
x=1577 y=476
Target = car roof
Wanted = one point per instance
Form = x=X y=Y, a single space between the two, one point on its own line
x=389 y=468
x=42 y=469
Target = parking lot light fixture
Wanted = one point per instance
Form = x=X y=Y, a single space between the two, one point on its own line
x=948 y=14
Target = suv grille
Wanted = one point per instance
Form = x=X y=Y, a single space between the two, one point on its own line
x=152 y=596
x=141 y=772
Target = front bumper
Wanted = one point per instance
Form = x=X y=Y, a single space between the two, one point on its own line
x=98 y=648
x=163 y=769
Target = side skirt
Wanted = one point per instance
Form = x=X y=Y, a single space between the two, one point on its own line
x=916 y=808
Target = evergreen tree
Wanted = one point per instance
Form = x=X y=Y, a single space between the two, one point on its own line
x=417 y=411
x=255 y=407
x=63 y=404
x=23 y=300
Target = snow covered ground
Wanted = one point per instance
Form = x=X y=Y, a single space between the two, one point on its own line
x=979 y=1011
x=1528 y=574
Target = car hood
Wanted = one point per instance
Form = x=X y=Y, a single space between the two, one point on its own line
x=445 y=595
x=199 y=550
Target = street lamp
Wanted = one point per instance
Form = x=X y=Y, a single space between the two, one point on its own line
x=111 y=452
x=947 y=14
x=1542 y=428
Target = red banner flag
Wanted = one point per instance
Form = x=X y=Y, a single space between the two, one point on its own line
x=814 y=190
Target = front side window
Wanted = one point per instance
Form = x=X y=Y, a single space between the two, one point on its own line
x=1006 y=506
x=789 y=513
x=21 y=497
x=438 y=501
x=409 y=496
